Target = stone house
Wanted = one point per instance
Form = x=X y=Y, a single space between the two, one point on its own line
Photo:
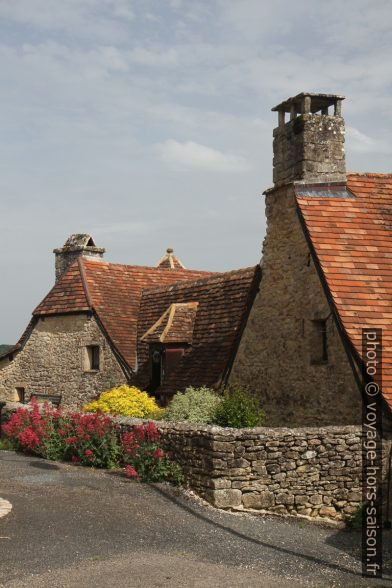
x=290 y=328
x=326 y=274
x=103 y=324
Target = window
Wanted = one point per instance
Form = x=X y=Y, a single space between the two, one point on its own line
x=318 y=342
x=163 y=360
x=156 y=368
x=93 y=358
x=21 y=393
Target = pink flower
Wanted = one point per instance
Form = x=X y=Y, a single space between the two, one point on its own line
x=131 y=472
x=88 y=452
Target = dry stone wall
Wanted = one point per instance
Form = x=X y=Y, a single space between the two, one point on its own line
x=53 y=362
x=313 y=472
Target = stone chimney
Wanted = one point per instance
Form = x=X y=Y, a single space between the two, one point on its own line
x=79 y=245
x=310 y=145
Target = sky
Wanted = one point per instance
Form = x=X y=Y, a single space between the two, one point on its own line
x=148 y=124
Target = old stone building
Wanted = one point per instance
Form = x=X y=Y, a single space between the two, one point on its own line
x=325 y=274
x=105 y=324
x=290 y=328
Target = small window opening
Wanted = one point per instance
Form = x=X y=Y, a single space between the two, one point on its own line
x=90 y=243
x=319 y=342
x=156 y=369
x=21 y=394
x=93 y=357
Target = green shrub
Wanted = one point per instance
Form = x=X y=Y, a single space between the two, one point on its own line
x=196 y=405
x=239 y=408
x=144 y=458
x=355 y=521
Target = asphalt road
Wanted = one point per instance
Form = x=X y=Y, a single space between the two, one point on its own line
x=75 y=527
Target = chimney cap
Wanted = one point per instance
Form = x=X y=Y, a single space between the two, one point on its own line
x=79 y=242
x=318 y=102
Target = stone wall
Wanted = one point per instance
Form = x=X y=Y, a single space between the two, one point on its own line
x=53 y=361
x=313 y=472
x=309 y=147
x=276 y=357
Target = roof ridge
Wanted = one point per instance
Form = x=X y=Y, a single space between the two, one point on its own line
x=203 y=280
x=150 y=267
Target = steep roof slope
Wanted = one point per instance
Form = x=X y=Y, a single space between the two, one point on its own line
x=351 y=232
x=223 y=304
x=113 y=291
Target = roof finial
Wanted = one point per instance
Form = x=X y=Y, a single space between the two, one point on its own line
x=169 y=261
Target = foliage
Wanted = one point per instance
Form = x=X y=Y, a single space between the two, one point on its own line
x=126 y=401
x=5 y=444
x=47 y=432
x=90 y=440
x=355 y=521
x=196 y=405
x=239 y=408
x=144 y=459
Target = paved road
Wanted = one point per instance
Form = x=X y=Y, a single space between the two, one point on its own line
x=75 y=527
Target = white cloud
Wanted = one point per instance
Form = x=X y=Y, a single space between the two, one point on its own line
x=362 y=143
x=192 y=155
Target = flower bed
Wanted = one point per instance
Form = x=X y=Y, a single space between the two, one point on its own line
x=90 y=440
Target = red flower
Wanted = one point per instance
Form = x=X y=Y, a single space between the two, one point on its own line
x=131 y=472
x=158 y=453
x=88 y=452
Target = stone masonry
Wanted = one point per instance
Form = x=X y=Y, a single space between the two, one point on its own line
x=279 y=355
x=313 y=472
x=276 y=353
x=310 y=146
x=53 y=361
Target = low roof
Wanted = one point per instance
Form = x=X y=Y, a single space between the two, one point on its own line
x=351 y=235
x=224 y=302
x=113 y=291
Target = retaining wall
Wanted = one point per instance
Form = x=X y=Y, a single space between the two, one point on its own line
x=313 y=472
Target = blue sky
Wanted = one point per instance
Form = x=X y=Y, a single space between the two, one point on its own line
x=148 y=124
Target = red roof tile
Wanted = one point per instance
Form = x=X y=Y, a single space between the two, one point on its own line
x=113 y=291
x=352 y=238
x=224 y=301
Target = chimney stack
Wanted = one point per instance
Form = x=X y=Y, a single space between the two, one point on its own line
x=309 y=147
x=79 y=245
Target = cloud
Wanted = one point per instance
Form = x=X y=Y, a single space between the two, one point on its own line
x=362 y=143
x=192 y=155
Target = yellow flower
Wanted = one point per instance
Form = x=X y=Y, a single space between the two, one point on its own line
x=126 y=401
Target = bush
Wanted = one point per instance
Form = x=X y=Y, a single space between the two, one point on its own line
x=239 y=408
x=196 y=405
x=144 y=459
x=355 y=520
x=90 y=440
x=126 y=401
x=47 y=432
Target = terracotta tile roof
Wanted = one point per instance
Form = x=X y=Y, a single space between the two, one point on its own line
x=113 y=291
x=175 y=325
x=224 y=302
x=352 y=238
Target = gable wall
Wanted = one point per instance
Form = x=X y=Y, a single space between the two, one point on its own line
x=274 y=357
x=52 y=361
